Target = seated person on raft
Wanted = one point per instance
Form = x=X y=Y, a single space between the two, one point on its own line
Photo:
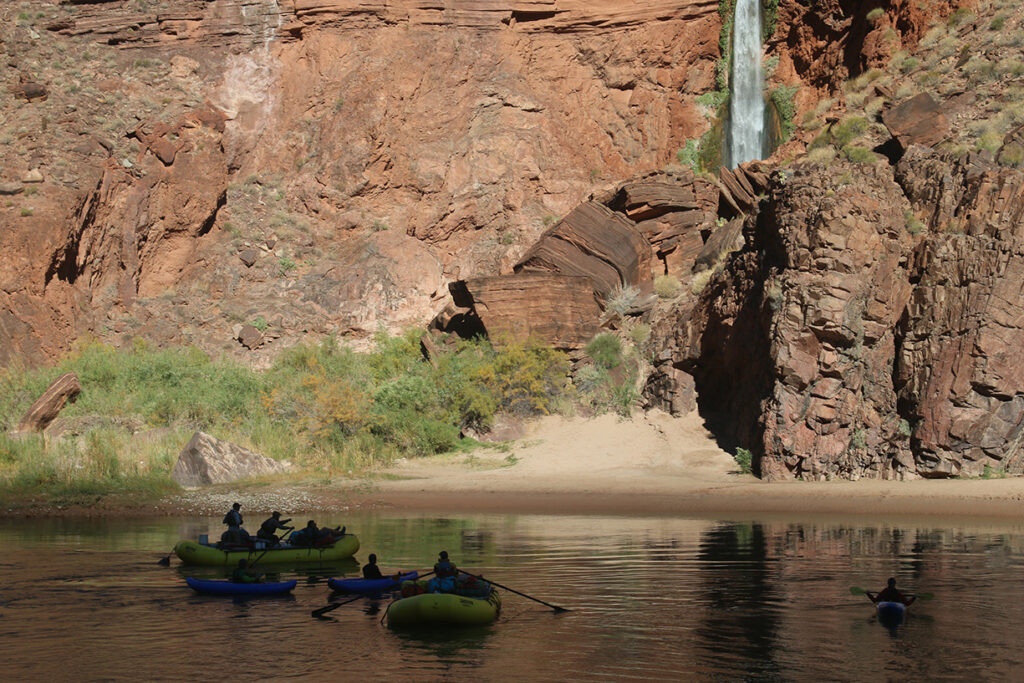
x=314 y=536
x=890 y=594
x=272 y=524
x=445 y=572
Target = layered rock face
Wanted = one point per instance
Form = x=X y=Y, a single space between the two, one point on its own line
x=603 y=249
x=835 y=300
x=369 y=154
x=959 y=370
x=839 y=343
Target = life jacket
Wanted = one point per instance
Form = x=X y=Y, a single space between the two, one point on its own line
x=444 y=568
x=233 y=518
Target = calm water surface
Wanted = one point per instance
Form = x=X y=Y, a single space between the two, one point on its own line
x=649 y=599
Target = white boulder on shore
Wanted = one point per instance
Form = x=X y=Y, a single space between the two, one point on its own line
x=207 y=460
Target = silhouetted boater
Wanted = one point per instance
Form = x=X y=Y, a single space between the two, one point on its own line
x=890 y=594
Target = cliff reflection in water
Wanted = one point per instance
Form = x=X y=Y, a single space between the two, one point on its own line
x=649 y=598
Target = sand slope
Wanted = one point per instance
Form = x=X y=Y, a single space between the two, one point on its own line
x=657 y=464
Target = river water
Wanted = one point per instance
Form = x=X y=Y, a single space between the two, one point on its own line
x=649 y=598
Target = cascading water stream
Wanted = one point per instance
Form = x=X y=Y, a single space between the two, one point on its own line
x=746 y=135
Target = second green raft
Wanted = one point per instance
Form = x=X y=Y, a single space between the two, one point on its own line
x=444 y=609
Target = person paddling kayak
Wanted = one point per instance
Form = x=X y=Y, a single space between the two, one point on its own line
x=372 y=572
x=890 y=594
x=243 y=575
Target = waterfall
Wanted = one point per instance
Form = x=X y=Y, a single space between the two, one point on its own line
x=746 y=134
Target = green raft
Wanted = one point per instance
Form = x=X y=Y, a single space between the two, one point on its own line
x=447 y=609
x=208 y=555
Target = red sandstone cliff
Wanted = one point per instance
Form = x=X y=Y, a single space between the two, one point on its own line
x=370 y=154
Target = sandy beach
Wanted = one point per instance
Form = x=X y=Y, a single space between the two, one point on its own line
x=652 y=464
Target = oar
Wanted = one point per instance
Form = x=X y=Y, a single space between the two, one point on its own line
x=320 y=611
x=919 y=596
x=513 y=590
x=166 y=561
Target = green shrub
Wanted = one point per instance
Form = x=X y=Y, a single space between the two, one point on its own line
x=980 y=70
x=745 y=460
x=960 y=16
x=770 y=13
x=875 y=14
x=873 y=106
x=855 y=100
x=726 y=12
x=782 y=98
x=606 y=391
x=989 y=472
x=605 y=350
x=666 y=286
x=623 y=299
x=990 y=141
x=713 y=100
x=688 y=155
x=1012 y=156
x=912 y=222
x=822 y=155
x=847 y=130
x=866 y=79
x=640 y=334
x=700 y=280
x=285 y=265
x=909 y=64
x=859 y=155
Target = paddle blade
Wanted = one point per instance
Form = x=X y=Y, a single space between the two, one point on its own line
x=924 y=596
x=857 y=591
x=164 y=561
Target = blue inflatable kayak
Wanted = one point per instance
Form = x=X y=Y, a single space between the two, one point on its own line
x=369 y=585
x=891 y=612
x=223 y=587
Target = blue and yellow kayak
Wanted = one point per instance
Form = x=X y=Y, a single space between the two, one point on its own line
x=446 y=609
x=222 y=587
x=208 y=555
